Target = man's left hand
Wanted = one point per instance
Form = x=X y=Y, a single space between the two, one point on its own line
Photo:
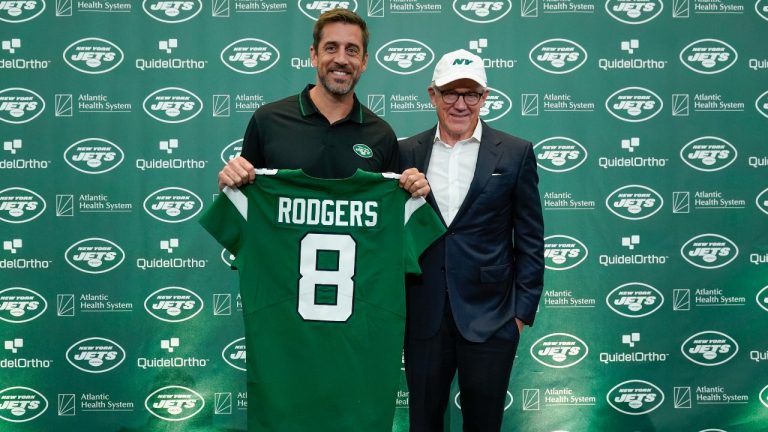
x=414 y=182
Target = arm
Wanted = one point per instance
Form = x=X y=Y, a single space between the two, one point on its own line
x=240 y=170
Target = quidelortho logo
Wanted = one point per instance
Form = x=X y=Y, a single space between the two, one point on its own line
x=405 y=56
x=634 y=300
x=173 y=204
x=559 y=154
x=232 y=150
x=558 y=56
x=709 y=251
x=562 y=252
x=635 y=397
x=94 y=156
x=94 y=255
x=95 y=355
x=17 y=11
x=762 y=201
x=709 y=348
x=19 y=205
x=761 y=103
x=19 y=105
x=19 y=305
x=173 y=304
x=314 y=8
x=482 y=12
x=93 y=56
x=634 y=202
x=174 y=403
x=708 y=56
x=173 y=105
x=634 y=104
x=634 y=11
x=234 y=354
x=496 y=105
x=21 y=404
x=250 y=56
x=172 y=12
x=559 y=350
x=708 y=153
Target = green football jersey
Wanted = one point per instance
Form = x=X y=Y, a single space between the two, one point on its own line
x=321 y=265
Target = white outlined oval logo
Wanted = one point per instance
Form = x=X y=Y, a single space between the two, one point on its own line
x=21 y=404
x=558 y=56
x=19 y=105
x=20 y=11
x=634 y=11
x=709 y=251
x=762 y=201
x=761 y=103
x=762 y=298
x=95 y=355
x=173 y=204
x=634 y=104
x=172 y=12
x=559 y=350
x=94 y=255
x=634 y=300
x=234 y=354
x=764 y=396
x=227 y=258
x=173 y=304
x=405 y=56
x=635 y=397
x=314 y=8
x=19 y=205
x=496 y=105
x=19 y=305
x=562 y=252
x=232 y=150
x=708 y=154
x=559 y=154
x=174 y=403
x=172 y=105
x=482 y=12
x=634 y=202
x=709 y=348
x=708 y=56
x=93 y=56
x=761 y=7
x=250 y=56
x=94 y=156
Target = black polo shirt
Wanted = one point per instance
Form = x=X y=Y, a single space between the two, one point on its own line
x=291 y=133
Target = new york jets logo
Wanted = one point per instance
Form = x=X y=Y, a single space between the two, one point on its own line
x=635 y=397
x=762 y=201
x=761 y=7
x=173 y=304
x=17 y=11
x=634 y=300
x=708 y=154
x=93 y=156
x=761 y=103
x=709 y=251
x=19 y=105
x=559 y=350
x=708 y=56
x=19 y=205
x=250 y=56
x=709 y=348
x=634 y=202
x=496 y=105
x=95 y=355
x=405 y=56
x=482 y=12
x=234 y=354
x=562 y=252
x=174 y=403
x=21 y=404
x=363 y=151
x=173 y=204
x=762 y=298
x=172 y=105
x=559 y=154
x=172 y=12
x=634 y=104
x=764 y=393
x=314 y=8
x=558 y=56
x=227 y=258
x=19 y=305
x=93 y=56
x=634 y=11
x=94 y=255
x=232 y=150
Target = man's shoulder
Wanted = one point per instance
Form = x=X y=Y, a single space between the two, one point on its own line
x=425 y=136
x=281 y=105
x=369 y=117
x=503 y=137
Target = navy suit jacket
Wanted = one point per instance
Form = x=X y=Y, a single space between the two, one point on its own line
x=490 y=261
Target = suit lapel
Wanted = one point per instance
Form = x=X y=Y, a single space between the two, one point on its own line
x=487 y=158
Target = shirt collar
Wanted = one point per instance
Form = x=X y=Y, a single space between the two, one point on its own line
x=476 y=135
x=307 y=108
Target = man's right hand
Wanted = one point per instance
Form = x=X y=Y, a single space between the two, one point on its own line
x=236 y=172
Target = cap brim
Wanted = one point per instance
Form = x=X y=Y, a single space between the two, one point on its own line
x=460 y=75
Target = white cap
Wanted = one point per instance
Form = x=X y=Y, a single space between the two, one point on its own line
x=457 y=65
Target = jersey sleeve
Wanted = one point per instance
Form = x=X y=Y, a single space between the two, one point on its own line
x=225 y=219
x=421 y=228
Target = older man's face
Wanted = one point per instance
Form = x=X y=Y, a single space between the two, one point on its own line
x=457 y=119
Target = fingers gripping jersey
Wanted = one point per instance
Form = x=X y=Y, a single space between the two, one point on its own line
x=321 y=265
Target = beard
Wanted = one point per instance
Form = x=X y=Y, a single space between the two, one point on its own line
x=336 y=88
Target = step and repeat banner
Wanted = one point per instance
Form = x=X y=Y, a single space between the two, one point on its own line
x=649 y=119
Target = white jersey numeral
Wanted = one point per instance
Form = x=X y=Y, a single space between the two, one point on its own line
x=312 y=277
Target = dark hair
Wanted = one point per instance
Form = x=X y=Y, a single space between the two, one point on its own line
x=342 y=16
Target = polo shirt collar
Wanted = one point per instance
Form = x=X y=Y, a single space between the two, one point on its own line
x=308 y=108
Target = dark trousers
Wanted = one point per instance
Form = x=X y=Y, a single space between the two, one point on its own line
x=483 y=373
